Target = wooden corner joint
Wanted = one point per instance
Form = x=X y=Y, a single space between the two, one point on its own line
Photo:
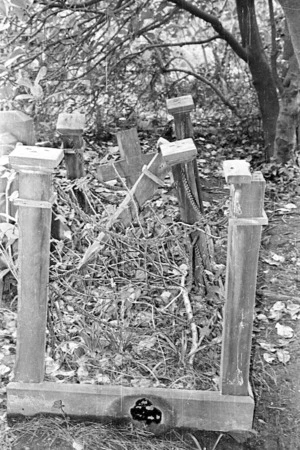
x=152 y=176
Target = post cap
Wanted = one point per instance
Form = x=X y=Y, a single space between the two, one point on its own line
x=70 y=124
x=237 y=171
x=35 y=158
x=178 y=152
x=182 y=104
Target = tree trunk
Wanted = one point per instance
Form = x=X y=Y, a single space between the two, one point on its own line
x=291 y=10
x=262 y=77
x=288 y=119
x=252 y=52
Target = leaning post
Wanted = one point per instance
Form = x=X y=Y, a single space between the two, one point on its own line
x=244 y=234
x=35 y=166
x=188 y=186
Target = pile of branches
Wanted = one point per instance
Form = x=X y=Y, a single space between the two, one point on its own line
x=131 y=316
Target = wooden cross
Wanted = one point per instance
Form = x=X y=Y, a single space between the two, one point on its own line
x=132 y=160
x=151 y=177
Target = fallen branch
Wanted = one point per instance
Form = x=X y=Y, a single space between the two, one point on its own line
x=190 y=316
x=277 y=297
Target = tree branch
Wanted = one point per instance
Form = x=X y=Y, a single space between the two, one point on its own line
x=208 y=83
x=215 y=23
x=181 y=44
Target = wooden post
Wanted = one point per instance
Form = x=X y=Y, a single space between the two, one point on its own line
x=187 y=174
x=132 y=160
x=70 y=127
x=34 y=165
x=244 y=234
x=15 y=126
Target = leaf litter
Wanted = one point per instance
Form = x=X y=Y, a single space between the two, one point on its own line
x=122 y=318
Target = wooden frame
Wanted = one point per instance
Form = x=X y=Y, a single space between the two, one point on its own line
x=229 y=409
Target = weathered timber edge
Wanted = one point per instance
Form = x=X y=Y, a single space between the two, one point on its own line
x=204 y=410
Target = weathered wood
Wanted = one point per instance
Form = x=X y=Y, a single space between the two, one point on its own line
x=204 y=410
x=143 y=189
x=18 y=124
x=70 y=127
x=132 y=159
x=7 y=143
x=182 y=104
x=237 y=171
x=179 y=152
x=248 y=203
x=244 y=235
x=36 y=158
x=34 y=165
x=180 y=108
x=70 y=124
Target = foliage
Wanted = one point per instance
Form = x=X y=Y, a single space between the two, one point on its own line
x=118 y=61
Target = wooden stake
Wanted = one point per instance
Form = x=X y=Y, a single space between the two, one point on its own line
x=34 y=165
x=244 y=234
x=180 y=108
x=70 y=127
x=132 y=160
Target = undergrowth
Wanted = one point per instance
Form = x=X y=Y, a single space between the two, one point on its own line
x=122 y=317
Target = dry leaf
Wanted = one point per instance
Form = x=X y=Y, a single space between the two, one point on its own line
x=268 y=357
x=284 y=331
x=283 y=356
x=268 y=347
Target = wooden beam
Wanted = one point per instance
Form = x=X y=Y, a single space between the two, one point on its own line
x=203 y=410
x=244 y=235
x=132 y=160
x=34 y=165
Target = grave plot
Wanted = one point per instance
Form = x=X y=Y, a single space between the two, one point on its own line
x=133 y=307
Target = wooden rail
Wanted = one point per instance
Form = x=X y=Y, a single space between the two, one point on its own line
x=230 y=408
